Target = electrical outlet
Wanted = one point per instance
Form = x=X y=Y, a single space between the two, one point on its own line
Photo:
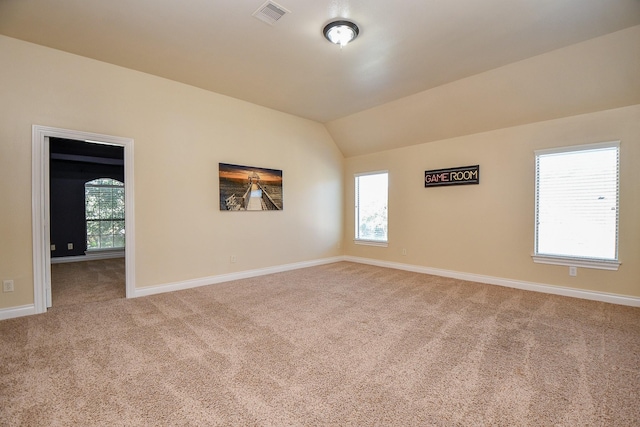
x=404 y=251
x=70 y=246
x=7 y=286
x=573 y=271
x=233 y=259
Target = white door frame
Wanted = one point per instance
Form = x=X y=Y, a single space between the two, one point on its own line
x=40 y=208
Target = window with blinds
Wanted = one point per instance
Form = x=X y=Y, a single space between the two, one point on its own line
x=104 y=210
x=371 y=194
x=577 y=202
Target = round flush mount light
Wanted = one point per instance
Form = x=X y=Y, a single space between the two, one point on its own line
x=341 y=32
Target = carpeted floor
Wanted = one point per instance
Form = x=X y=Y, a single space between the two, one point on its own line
x=87 y=281
x=342 y=344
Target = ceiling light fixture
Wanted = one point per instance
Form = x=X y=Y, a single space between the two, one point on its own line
x=341 y=32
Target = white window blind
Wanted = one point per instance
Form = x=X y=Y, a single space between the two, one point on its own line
x=371 y=206
x=577 y=202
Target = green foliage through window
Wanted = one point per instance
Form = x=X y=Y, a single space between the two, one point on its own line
x=104 y=208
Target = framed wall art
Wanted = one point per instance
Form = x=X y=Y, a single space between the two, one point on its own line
x=248 y=188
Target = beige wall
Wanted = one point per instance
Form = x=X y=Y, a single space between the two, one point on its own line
x=182 y=132
x=487 y=229
x=180 y=135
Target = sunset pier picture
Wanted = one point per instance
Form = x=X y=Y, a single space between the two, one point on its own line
x=245 y=188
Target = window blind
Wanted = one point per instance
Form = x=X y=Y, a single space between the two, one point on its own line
x=577 y=202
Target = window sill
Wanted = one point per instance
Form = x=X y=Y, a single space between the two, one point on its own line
x=371 y=243
x=97 y=251
x=576 y=262
x=104 y=253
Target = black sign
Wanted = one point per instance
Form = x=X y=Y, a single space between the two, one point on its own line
x=452 y=176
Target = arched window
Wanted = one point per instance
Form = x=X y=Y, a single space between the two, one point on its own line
x=104 y=208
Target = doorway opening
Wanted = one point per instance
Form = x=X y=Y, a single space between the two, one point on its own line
x=65 y=158
x=87 y=214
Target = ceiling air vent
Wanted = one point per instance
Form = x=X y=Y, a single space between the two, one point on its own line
x=270 y=12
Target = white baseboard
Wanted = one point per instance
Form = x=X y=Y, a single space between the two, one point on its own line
x=26 y=310
x=11 y=312
x=88 y=257
x=509 y=283
x=212 y=280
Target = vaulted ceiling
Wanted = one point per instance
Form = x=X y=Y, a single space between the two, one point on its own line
x=403 y=81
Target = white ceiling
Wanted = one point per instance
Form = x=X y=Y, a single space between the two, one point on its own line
x=404 y=48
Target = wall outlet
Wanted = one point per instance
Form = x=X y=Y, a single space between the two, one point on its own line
x=53 y=247
x=573 y=271
x=70 y=246
x=7 y=286
x=233 y=259
x=404 y=252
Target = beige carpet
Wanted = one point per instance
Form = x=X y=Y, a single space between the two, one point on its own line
x=87 y=281
x=337 y=345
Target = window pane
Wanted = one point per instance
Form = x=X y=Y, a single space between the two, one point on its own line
x=92 y=200
x=93 y=242
x=118 y=203
x=93 y=228
x=118 y=241
x=371 y=206
x=577 y=203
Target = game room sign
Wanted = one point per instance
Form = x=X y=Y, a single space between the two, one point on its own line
x=452 y=176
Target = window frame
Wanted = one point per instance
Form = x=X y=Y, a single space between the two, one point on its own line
x=90 y=184
x=369 y=242
x=577 y=261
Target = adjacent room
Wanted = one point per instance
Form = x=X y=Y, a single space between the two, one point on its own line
x=320 y=213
